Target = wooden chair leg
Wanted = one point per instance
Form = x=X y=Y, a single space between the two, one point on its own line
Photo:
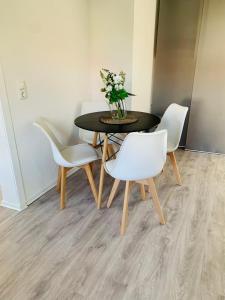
x=63 y=187
x=102 y=172
x=58 y=185
x=113 y=192
x=125 y=209
x=142 y=190
x=111 y=151
x=108 y=154
x=149 y=189
x=156 y=202
x=89 y=174
x=92 y=167
x=175 y=167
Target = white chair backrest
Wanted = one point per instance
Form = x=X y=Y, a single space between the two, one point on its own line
x=56 y=146
x=141 y=156
x=173 y=121
x=89 y=107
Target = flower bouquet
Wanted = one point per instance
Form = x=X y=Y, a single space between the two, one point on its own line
x=115 y=93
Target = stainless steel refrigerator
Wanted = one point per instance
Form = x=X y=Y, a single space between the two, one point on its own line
x=189 y=68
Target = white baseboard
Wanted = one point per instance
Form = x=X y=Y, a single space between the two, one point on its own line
x=204 y=152
x=11 y=206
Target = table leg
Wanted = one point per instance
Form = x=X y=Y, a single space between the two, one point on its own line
x=95 y=139
x=102 y=172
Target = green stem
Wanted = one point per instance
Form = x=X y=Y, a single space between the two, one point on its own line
x=120 y=109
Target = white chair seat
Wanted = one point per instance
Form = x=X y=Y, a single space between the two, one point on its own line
x=67 y=157
x=173 y=121
x=109 y=166
x=79 y=155
x=141 y=157
x=133 y=166
x=111 y=169
x=170 y=148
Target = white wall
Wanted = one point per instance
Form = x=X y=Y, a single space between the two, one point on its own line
x=44 y=43
x=58 y=48
x=143 y=46
x=122 y=37
x=111 y=38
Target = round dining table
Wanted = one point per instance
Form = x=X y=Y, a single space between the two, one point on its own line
x=92 y=122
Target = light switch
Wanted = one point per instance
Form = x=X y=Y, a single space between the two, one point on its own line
x=22 y=90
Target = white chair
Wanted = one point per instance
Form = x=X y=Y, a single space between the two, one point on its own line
x=140 y=159
x=67 y=157
x=173 y=121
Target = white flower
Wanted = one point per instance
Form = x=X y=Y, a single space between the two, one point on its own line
x=109 y=88
x=117 y=87
x=117 y=79
x=120 y=86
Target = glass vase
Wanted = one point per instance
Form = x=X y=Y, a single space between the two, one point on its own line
x=118 y=110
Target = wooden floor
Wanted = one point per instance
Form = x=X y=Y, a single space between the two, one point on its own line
x=78 y=253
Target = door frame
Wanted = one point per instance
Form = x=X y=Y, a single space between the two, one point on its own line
x=19 y=201
x=143 y=52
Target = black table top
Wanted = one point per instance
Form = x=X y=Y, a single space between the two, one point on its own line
x=91 y=122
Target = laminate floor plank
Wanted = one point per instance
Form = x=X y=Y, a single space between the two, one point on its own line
x=6 y=214
x=77 y=253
